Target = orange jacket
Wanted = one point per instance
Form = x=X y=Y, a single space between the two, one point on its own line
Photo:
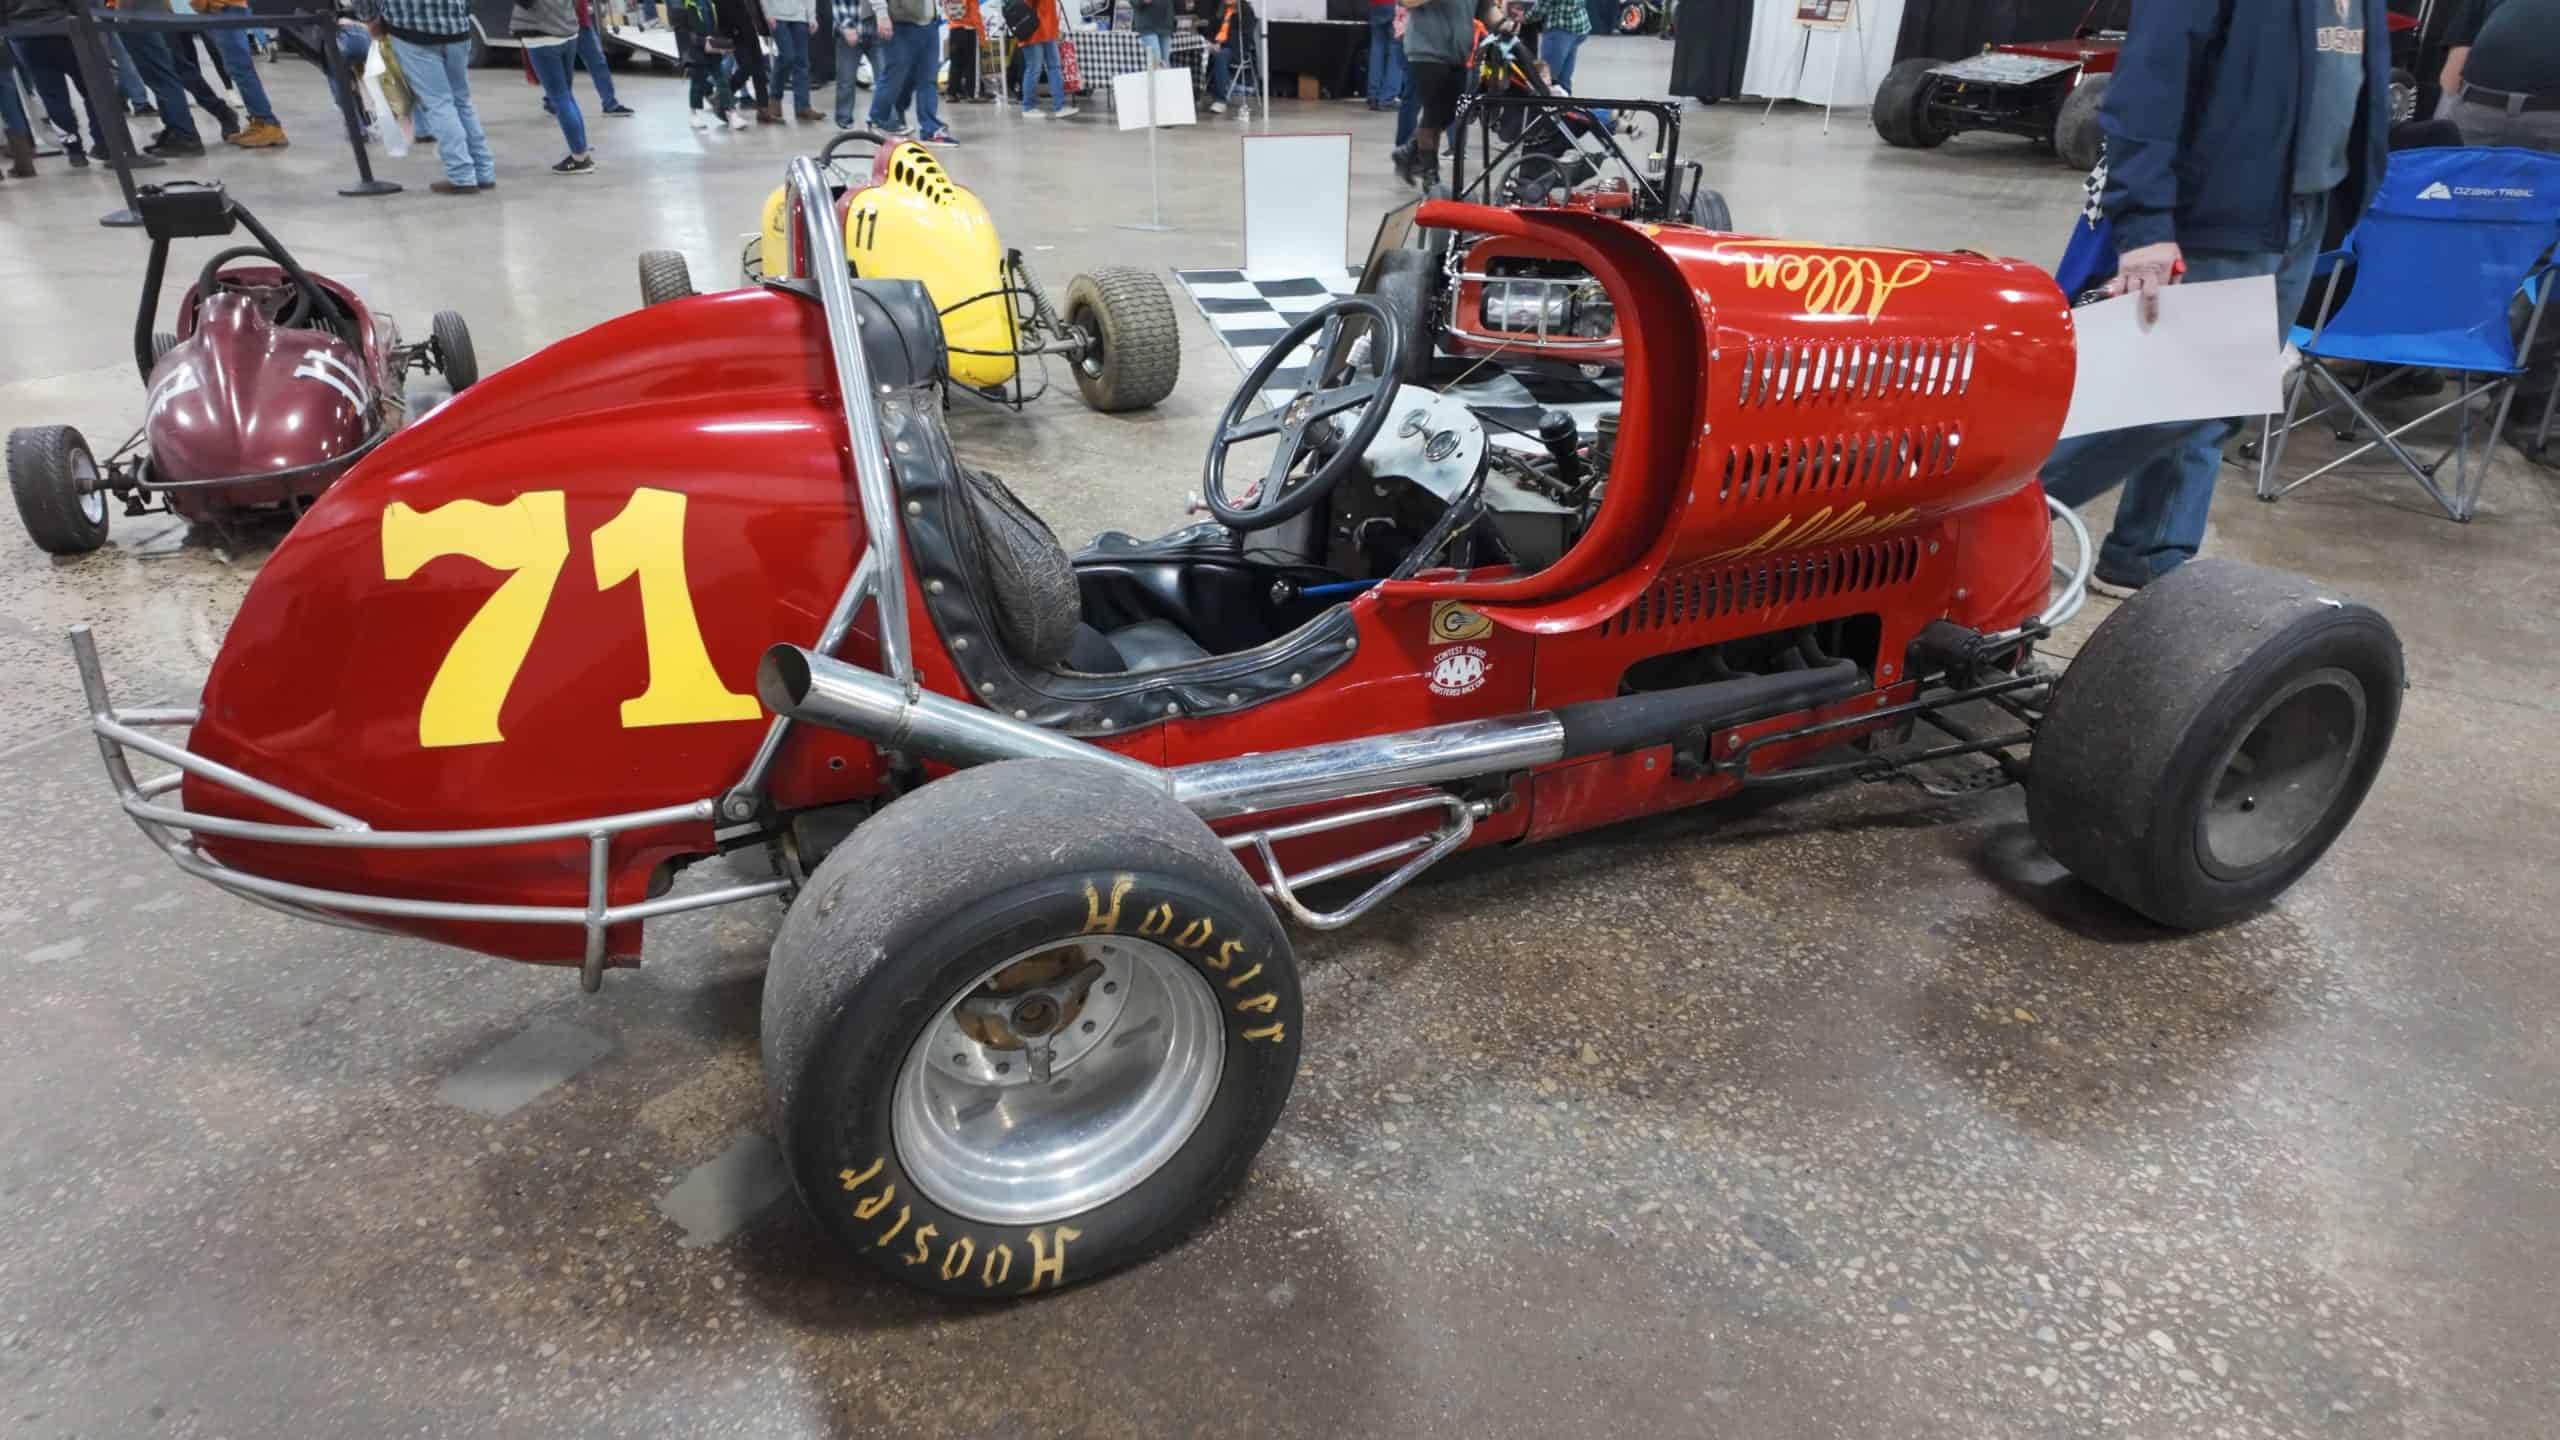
x=1047 y=29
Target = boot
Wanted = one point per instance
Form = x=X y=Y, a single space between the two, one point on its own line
x=22 y=154
x=72 y=156
x=770 y=112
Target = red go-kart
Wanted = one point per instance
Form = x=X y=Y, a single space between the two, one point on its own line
x=274 y=382
x=708 y=577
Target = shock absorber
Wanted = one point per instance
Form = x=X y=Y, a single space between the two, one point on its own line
x=1044 y=316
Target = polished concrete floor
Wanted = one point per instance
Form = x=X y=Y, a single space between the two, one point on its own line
x=1842 y=1116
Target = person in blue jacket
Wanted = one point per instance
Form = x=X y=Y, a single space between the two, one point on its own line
x=2235 y=130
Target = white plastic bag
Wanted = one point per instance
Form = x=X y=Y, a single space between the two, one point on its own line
x=390 y=121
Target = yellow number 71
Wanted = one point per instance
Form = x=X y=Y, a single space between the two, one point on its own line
x=527 y=540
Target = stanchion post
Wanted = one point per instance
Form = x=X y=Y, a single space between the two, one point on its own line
x=343 y=85
x=1155 y=171
x=105 y=106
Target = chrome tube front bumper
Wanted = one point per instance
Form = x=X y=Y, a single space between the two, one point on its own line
x=175 y=829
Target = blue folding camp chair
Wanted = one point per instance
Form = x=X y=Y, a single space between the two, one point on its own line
x=2455 y=241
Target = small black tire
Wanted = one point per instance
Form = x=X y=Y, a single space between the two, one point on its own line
x=929 y=903
x=664 y=276
x=455 y=358
x=1901 y=111
x=2213 y=737
x=1402 y=282
x=2077 y=137
x=58 y=488
x=162 y=342
x=1708 y=210
x=1135 y=355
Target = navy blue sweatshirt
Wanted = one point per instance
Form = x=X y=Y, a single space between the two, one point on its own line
x=2202 y=118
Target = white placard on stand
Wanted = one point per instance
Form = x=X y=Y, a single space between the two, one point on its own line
x=1172 y=99
x=1297 y=204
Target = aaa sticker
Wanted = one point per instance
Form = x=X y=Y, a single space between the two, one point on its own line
x=1459 y=670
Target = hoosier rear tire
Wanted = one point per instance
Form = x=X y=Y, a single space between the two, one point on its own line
x=1901 y=110
x=1138 y=353
x=1402 y=283
x=915 y=1123
x=2214 y=736
x=1708 y=210
x=56 y=483
x=664 y=276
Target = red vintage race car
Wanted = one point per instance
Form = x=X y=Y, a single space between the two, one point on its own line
x=1043 y=818
x=273 y=382
x=2049 y=90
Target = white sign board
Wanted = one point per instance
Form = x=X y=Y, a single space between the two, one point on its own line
x=1173 y=97
x=1297 y=204
x=1293 y=10
x=2213 y=352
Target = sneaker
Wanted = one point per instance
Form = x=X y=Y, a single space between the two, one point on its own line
x=1068 y=113
x=170 y=147
x=1217 y=107
x=575 y=165
x=72 y=156
x=2117 y=587
x=447 y=187
x=942 y=137
x=738 y=120
x=619 y=109
x=700 y=120
x=1035 y=115
x=261 y=135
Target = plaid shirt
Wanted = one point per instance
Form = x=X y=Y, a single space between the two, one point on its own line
x=1571 y=15
x=422 y=21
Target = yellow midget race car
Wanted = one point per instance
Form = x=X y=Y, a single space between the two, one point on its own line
x=906 y=219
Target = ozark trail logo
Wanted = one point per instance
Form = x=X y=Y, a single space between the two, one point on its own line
x=2437 y=191
x=1459 y=670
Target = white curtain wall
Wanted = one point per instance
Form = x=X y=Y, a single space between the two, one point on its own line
x=1776 y=40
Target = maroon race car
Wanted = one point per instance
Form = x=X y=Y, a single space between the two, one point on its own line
x=274 y=382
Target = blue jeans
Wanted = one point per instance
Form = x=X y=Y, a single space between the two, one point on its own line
x=1158 y=45
x=1386 y=57
x=1408 y=112
x=1221 y=74
x=13 y=111
x=1039 y=59
x=242 y=65
x=590 y=57
x=172 y=76
x=353 y=45
x=551 y=66
x=439 y=77
x=1558 y=48
x=849 y=56
x=55 y=72
x=128 y=78
x=2168 y=470
x=909 y=77
x=791 y=60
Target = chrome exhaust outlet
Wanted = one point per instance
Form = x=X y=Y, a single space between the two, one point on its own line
x=847 y=698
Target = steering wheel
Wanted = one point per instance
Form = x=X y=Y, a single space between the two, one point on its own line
x=1278 y=497
x=843 y=138
x=307 y=305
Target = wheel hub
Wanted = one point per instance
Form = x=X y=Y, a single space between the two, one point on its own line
x=2280 y=780
x=1059 y=1080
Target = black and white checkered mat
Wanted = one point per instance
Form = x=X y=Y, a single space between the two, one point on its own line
x=1250 y=316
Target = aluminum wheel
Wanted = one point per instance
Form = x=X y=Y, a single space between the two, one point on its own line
x=93 y=496
x=1059 y=1080
x=2278 y=783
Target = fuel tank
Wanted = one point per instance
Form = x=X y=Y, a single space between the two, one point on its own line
x=241 y=398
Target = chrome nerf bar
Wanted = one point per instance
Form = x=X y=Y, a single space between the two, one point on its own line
x=173 y=828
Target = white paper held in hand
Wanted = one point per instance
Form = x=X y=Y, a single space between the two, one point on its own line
x=2214 y=352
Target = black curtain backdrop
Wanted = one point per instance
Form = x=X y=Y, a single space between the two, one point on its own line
x=1953 y=29
x=1708 y=52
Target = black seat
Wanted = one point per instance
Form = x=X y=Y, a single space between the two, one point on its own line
x=1031 y=585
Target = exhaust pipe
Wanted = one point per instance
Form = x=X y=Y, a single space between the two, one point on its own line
x=846 y=698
